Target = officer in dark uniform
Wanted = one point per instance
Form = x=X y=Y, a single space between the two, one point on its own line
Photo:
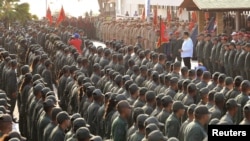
x=231 y=58
x=139 y=134
x=232 y=109
x=58 y=133
x=173 y=124
x=141 y=100
x=93 y=109
x=200 y=47
x=95 y=77
x=148 y=108
x=47 y=74
x=195 y=130
x=241 y=61
x=175 y=45
x=11 y=84
x=226 y=58
x=246 y=120
x=120 y=124
x=167 y=109
x=48 y=129
x=190 y=114
x=237 y=54
x=242 y=98
x=217 y=110
x=62 y=81
x=213 y=58
x=207 y=52
x=45 y=119
x=247 y=60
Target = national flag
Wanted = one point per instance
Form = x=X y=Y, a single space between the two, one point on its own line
x=169 y=17
x=61 y=16
x=155 y=16
x=49 y=16
x=143 y=14
x=163 y=38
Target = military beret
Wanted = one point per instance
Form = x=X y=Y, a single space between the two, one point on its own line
x=83 y=133
x=231 y=103
x=229 y=80
x=150 y=95
x=126 y=78
x=201 y=110
x=247 y=45
x=168 y=77
x=153 y=120
x=4 y=110
x=15 y=134
x=245 y=84
x=96 y=138
x=157 y=136
x=222 y=77
x=62 y=116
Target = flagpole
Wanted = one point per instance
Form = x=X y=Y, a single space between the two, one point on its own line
x=160 y=30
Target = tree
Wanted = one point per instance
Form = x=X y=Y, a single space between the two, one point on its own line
x=12 y=11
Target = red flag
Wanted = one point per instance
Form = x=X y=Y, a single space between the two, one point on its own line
x=49 y=16
x=169 y=15
x=143 y=14
x=155 y=16
x=162 y=39
x=61 y=16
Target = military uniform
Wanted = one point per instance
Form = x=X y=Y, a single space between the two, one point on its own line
x=194 y=132
x=119 y=129
x=241 y=63
x=247 y=66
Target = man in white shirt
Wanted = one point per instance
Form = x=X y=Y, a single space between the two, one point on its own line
x=187 y=50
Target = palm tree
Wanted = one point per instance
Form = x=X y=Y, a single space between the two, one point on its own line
x=12 y=11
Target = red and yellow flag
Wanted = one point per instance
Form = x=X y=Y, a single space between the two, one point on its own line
x=49 y=16
x=163 y=38
x=61 y=16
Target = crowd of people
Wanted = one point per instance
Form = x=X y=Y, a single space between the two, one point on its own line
x=65 y=88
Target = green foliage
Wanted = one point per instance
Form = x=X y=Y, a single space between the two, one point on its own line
x=13 y=11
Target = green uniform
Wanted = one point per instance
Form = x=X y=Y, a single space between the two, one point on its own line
x=162 y=116
x=231 y=63
x=43 y=122
x=182 y=129
x=57 y=134
x=194 y=132
x=119 y=129
x=247 y=66
x=137 y=136
x=172 y=126
x=47 y=131
x=242 y=100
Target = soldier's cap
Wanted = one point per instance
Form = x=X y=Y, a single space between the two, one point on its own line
x=15 y=134
x=245 y=83
x=174 y=80
x=5 y=118
x=150 y=95
x=168 y=77
x=44 y=56
x=166 y=100
x=14 y=139
x=222 y=76
x=4 y=110
x=62 y=116
x=74 y=117
x=96 y=66
x=153 y=120
x=123 y=105
x=96 y=138
x=143 y=68
x=216 y=74
x=73 y=68
x=247 y=45
x=141 y=119
x=192 y=87
x=42 y=81
x=4 y=96
x=159 y=96
x=48 y=62
x=48 y=103
x=201 y=110
x=83 y=133
x=173 y=139
x=126 y=78
x=204 y=91
x=55 y=111
x=228 y=81
x=25 y=69
x=36 y=77
x=238 y=78
x=97 y=92
x=133 y=88
x=177 y=64
x=168 y=63
x=120 y=97
x=231 y=103
x=142 y=91
x=191 y=108
x=88 y=86
x=13 y=62
x=186 y=82
x=3 y=102
x=80 y=122
x=65 y=68
x=184 y=68
x=151 y=127
x=246 y=108
x=157 y=136
x=214 y=121
x=50 y=93
x=177 y=105
x=219 y=97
